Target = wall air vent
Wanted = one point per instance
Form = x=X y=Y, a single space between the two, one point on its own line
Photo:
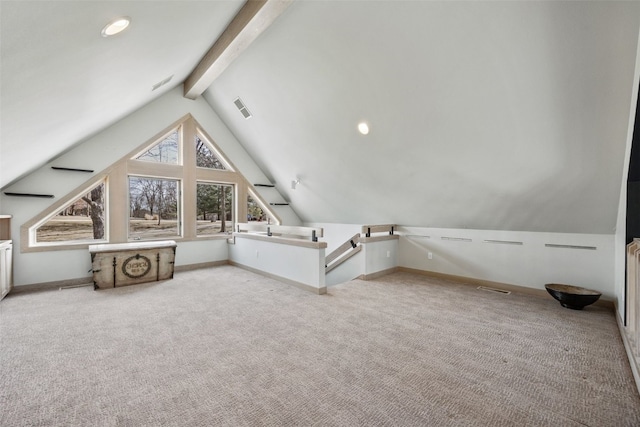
x=502 y=242
x=456 y=239
x=496 y=290
x=553 y=245
x=243 y=108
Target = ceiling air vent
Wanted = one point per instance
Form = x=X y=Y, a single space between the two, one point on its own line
x=242 y=108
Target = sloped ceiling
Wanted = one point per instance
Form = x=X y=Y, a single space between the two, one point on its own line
x=488 y=115
x=61 y=81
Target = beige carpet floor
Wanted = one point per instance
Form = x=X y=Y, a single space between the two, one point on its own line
x=224 y=346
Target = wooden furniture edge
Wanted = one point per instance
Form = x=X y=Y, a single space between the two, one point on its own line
x=378 y=228
x=633 y=363
x=279 y=229
x=343 y=248
x=85 y=245
x=282 y=240
x=373 y=239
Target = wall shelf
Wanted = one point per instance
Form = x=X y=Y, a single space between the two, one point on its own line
x=59 y=168
x=264 y=185
x=46 y=196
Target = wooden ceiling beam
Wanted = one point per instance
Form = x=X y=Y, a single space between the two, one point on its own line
x=254 y=17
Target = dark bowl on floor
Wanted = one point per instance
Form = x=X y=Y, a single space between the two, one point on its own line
x=573 y=297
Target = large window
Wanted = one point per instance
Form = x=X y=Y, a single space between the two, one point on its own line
x=215 y=204
x=81 y=220
x=153 y=208
x=178 y=185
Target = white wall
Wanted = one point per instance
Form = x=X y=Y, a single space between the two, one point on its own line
x=200 y=252
x=530 y=264
x=296 y=263
x=348 y=270
x=98 y=153
x=380 y=256
x=504 y=115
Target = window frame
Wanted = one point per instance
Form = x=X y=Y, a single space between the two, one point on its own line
x=251 y=193
x=116 y=178
x=199 y=133
x=179 y=209
x=234 y=211
x=179 y=130
x=29 y=230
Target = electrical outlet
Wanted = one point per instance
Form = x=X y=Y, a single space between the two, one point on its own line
x=257 y=254
x=430 y=255
x=388 y=254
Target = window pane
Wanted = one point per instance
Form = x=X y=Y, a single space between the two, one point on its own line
x=205 y=157
x=255 y=212
x=215 y=209
x=165 y=151
x=83 y=219
x=153 y=208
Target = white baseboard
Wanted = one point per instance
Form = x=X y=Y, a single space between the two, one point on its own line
x=198 y=266
x=377 y=274
x=506 y=286
x=55 y=285
x=319 y=291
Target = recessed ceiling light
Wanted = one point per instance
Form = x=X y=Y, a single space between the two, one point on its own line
x=363 y=128
x=116 y=26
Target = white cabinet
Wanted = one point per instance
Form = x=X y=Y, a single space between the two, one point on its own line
x=6 y=279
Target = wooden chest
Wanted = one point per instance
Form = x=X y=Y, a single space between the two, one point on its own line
x=125 y=264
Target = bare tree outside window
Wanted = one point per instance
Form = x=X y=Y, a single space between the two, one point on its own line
x=95 y=203
x=156 y=175
x=205 y=157
x=153 y=208
x=81 y=220
x=165 y=151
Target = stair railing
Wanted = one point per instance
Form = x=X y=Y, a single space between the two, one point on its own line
x=343 y=253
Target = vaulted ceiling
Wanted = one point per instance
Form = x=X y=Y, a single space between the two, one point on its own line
x=491 y=115
x=62 y=82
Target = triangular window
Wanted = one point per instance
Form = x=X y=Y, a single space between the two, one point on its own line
x=207 y=156
x=256 y=211
x=151 y=194
x=82 y=219
x=164 y=151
